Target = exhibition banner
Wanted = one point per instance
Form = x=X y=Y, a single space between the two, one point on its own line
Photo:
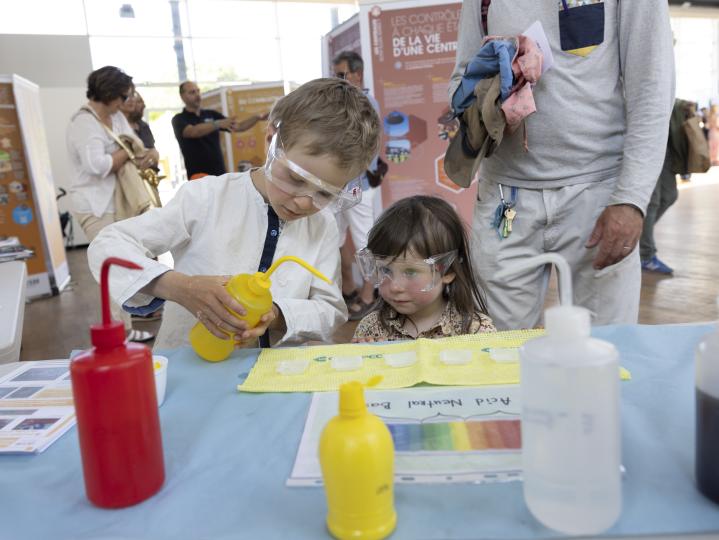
x=409 y=51
x=28 y=210
x=246 y=149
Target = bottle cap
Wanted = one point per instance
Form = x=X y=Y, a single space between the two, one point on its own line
x=567 y=322
x=109 y=333
x=352 y=402
x=259 y=283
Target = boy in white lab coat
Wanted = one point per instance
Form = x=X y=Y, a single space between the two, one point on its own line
x=322 y=136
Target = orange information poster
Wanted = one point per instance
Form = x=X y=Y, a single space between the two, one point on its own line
x=409 y=50
x=249 y=148
x=244 y=149
x=27 y=200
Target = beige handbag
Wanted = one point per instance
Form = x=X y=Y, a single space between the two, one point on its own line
x=136 y=189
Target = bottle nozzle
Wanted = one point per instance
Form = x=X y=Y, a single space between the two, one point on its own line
x=352 y=401
x=261 y=280
x=301 y=263
x=563 y=271
x=565 y=320
x=109 y=333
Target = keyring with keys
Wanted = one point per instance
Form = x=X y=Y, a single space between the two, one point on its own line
x=505 y=213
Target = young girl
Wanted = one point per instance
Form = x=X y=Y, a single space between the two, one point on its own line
x=418 y=255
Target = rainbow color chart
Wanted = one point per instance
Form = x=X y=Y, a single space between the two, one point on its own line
x=459 y=436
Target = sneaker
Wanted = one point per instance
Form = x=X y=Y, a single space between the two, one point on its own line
x=139 y=336
x=657 y=266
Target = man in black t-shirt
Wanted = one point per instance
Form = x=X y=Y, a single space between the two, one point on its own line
x=197 y=132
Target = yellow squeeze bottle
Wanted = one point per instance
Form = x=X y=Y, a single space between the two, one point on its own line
x=253 y=292
x=357 y=460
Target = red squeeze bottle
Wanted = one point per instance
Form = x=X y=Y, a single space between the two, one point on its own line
x=113 y=386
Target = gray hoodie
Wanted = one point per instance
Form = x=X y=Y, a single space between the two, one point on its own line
x=599 y=117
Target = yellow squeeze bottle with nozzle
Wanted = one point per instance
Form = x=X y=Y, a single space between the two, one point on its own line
x=253 y=292
x=357 y=460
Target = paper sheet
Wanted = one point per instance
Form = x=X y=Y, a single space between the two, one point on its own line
x=35 y=406
x=473 y=360
x=441 y=435
x=536 y=32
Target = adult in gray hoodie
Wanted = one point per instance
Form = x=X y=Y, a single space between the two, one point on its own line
x=596 y=146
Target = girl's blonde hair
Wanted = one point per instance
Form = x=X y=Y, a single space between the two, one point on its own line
x=426 y=226
x=330 y=117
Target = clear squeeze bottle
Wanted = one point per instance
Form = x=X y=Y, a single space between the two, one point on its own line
x=113 y=387
x=253 y=292
x=707 y=416
x=571 y=438
x=357 y=460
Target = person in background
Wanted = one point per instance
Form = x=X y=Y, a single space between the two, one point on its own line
x=714 y=134
x=133 y=109
x=665 y=194
x=96 y=157
x=197 y=132
x=704 y=114
x=418 y=255
x=348 y=65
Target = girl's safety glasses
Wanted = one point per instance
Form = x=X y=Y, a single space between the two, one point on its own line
x=419 y=275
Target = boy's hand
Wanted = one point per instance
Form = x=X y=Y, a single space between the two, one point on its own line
x=208 y=300
x=248 y=338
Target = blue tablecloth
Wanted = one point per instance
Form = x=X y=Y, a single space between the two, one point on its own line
x=228 y=454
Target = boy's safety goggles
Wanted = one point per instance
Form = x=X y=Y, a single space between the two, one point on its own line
x=419 y=275
x=289 y=177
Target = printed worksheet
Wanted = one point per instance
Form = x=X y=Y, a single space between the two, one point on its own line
x=440 y=434
x=36 y=406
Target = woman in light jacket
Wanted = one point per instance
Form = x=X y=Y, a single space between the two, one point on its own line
x=96 y=157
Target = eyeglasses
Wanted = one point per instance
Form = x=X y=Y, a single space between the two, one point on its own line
x=127 y=96
x=418 y=275
x=291 y=178
x=341 y=74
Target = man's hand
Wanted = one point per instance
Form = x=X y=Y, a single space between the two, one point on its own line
x=617 y=232
x=226 y=123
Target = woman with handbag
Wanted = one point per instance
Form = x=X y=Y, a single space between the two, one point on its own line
x=97 y=157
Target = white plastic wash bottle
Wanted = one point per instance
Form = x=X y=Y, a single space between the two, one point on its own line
x=571 y=431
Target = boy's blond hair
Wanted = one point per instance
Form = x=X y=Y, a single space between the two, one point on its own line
x=329 y=117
